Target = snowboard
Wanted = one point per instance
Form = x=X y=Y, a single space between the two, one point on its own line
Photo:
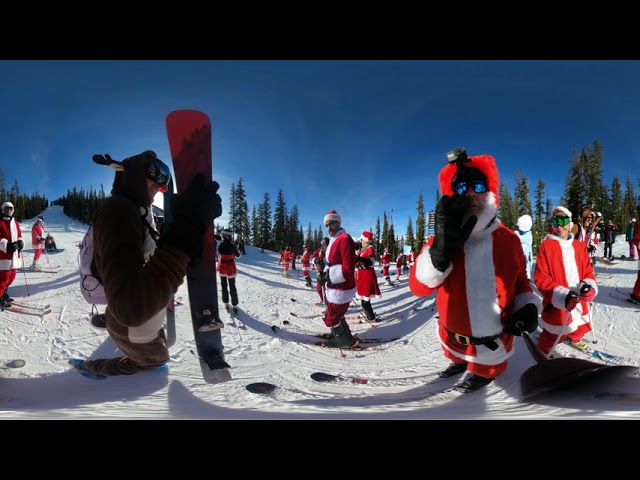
x=189 y=134
x=171 y=312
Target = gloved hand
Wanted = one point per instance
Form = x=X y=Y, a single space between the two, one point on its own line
x=591 y=249
x=366 y=261
x=20 y=245
x=12 y=247
x=321 y=278
x=587 y=293
x=39 y=239
x=571 y=300
x=450 y=234
x=193 y=211
x=528 y=315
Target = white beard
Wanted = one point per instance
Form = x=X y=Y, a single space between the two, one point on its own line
x=486 y=215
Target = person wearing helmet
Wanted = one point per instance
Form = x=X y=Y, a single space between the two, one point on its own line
x=228 y=271
x=475 y=265
x=11 y=245
x=141 y=271
x=37 y=242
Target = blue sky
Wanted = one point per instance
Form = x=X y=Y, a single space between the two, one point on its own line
x=360 y=137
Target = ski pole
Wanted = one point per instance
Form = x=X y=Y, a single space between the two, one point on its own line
x=47 y=255
x=593 y=333
x=564 y=325
x=362 y=314
x=25 y=282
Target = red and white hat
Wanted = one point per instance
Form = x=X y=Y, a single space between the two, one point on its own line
x=368 y=236
x=332 y=215
x=485 y=164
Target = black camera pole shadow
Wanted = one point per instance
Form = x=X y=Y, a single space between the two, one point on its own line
x=565 y=375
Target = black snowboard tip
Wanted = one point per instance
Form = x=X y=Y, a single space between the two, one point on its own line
x=261 y=388
x=323 y=377
x=17 y=363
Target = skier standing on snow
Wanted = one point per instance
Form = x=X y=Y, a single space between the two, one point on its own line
x=339 y=281
x=399 y=263
x=318 y=261
x=609 y=239
x=524 y=229
x=228 y=270
x=385 y=260
x=565 y=278
x=140 y=277
x=635 y=294
x=476 y=266
x=11 y=245
x=37 y=242
x=286 y=261
x=305 y=261
x=367 y=282
x=633 y=250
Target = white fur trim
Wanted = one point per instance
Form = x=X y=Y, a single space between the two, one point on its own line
x=428 y=274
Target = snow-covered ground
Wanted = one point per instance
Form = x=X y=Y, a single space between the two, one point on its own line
x=402 y=374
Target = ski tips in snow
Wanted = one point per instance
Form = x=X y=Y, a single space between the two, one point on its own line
x=261 y=388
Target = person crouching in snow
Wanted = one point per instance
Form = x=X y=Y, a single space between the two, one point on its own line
x=476 y=266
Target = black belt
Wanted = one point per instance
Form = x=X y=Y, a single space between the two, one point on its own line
x=466 y=340
x=365 y=268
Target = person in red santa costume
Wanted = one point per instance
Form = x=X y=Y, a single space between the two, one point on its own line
x=478 y=270
x=564 y=276
x=339 y=281
x=367 y=282
x=385 y=260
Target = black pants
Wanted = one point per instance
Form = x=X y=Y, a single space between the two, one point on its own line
x=608 y=248
x=232 y=288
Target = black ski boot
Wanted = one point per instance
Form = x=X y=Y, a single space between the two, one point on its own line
x=309 y=282
x=473 y=383
x=340 y=336
x=368 y=310
x=453 y=369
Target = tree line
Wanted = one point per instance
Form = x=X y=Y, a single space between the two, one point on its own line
x=273 y=229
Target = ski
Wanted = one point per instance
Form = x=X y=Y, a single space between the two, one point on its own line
x=27 y=270
x=594 y=353
x=616 y=396
x=16 y=363
x=26 y=310
x=32 y=306
x=430 y=379
x=320 y=339
x=189 y=135
x=624 y=297
x=234 y=313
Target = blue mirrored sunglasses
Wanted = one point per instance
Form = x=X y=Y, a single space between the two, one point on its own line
x=461 y=188
x=158 y=172
x=561 y=220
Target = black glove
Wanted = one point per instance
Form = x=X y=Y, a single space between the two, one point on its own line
x=39 y=239
x=20 y=245
x=571 y=300
x=528 y=318
x=366 y=261
x=321 y=279
x=12 y=247
x=591 y=249
x=450 y=235
x=193 y=211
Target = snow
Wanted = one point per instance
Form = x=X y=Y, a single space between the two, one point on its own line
x=402 y=374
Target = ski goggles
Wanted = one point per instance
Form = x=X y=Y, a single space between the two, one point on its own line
x=560 y=221
x=479 y=186
x=158 y=172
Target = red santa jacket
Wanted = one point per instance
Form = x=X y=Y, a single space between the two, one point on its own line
x=478 y=291
x=37 y=231
x=340 y=263
x=367 y=282
x=560 y=266
x=9 y=232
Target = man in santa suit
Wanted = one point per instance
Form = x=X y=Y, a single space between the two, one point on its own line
x=478 y=269
x=366 y=281
x=339 y=281
x=306 y=265
x=385 y=260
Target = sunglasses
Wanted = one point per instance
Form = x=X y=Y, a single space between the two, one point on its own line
x=461 y=188
x=330 y=222
x=158 y=172
x=560 y=220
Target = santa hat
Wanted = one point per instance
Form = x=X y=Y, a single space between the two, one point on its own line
x=368 y=236
x=39 y=220
x=525 y=223
x=332 y=215
x=633 y=219
x=477 y=167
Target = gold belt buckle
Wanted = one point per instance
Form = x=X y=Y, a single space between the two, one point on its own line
x=460 y=339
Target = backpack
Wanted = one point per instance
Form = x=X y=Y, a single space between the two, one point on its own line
x=90 y=282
